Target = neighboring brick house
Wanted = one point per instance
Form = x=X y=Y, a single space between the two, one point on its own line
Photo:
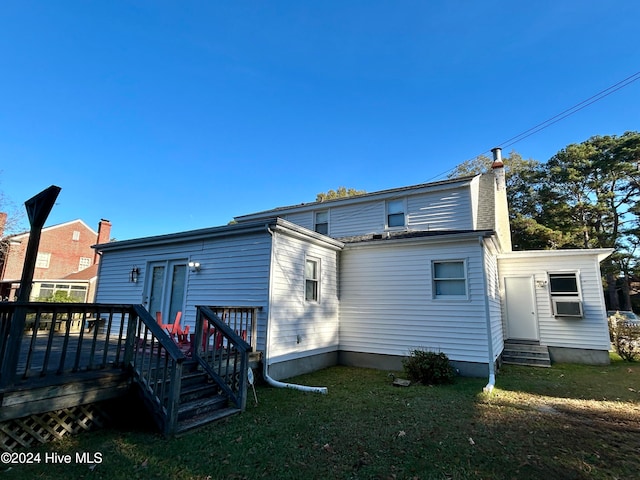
x=66 y=262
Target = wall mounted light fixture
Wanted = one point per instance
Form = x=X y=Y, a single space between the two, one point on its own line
x=194 y=266
x=133 y=274
x=541 y=283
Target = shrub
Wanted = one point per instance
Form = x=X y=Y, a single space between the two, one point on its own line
x=428 y=368
x=625 y=337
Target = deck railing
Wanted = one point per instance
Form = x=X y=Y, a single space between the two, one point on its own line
x=156 y=362
x=242 y=320
x=223 y=353
x=40 y=340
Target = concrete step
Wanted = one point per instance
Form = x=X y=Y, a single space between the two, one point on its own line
x=526 y=354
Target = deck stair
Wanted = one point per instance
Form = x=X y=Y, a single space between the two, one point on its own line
x=525 y=353
x=201 y=401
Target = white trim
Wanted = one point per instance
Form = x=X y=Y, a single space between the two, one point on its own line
x=317 y=279
x=444 y=297
x=405 y=215
x=315 y=221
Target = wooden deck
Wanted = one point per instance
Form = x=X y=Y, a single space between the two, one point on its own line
x=78 y=354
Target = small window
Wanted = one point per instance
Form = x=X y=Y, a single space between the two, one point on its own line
x=563 y=284
x=85 y=262
x=449 y=279
x=76 y=235
x=312 y=280
x=42 y=260
x=321 y=224
x=395 y=213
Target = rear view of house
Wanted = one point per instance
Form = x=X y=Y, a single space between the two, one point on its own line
x=363 y=280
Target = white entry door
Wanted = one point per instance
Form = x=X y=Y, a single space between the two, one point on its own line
x=522 y=321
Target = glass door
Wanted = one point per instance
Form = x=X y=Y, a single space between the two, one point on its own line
x=166 y=289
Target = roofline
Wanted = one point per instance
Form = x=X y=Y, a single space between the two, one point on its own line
x=461 y=181
x=52 y=227
x=262 y=226
x=601 y=253
x=447 y=237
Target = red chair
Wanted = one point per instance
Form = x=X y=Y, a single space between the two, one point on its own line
x=174 y=329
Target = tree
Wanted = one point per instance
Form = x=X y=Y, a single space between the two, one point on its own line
x=11 y=220
x=341 y=192
x=586 y=196
x=523 y=191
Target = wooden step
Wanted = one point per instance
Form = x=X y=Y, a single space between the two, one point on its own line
x=194 y=408
x=204 y=419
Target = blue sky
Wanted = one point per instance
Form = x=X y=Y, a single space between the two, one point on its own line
x=169 y=116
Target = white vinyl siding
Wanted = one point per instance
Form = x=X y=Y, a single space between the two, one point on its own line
x=493 y=297
x=443 y=210
x=304 y=219
x=588 y=332
x=234 y=272
x=386 y=304
x=300 y=328
x=358 y=219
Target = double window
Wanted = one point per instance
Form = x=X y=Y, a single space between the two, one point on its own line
x=395 y=213
x=312 y=280
x=449 y=279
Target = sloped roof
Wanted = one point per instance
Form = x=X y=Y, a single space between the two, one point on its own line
x=86 y=274
x=17 y=236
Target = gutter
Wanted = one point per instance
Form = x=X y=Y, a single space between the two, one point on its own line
x=269 y=380
x=492 y=369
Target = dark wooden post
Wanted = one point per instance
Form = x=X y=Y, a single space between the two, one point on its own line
x=38 y=209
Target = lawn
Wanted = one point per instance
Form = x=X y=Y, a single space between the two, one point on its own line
x=567 y=421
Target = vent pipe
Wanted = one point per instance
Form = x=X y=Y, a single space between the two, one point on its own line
x=497 y=158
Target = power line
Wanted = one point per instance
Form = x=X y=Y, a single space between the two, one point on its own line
x=558 y=117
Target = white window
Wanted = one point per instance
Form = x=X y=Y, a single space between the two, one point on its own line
x=312 y=280
x=395 y=213
x=59 y=292
x=85 y=262
x=42 y=260
x=565 y=294
x=450 y=279
x=321 y=224
x=76 y=235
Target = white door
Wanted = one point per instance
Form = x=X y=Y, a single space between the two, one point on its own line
x=522 y=321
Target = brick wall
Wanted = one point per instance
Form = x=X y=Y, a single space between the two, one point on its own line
x=66 y=243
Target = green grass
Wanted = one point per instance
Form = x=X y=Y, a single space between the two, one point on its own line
x=567 y=421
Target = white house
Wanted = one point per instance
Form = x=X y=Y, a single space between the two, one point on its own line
x=363 y=280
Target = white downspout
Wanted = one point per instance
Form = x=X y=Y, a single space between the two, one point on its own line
x=492 y=371
x=269 y=380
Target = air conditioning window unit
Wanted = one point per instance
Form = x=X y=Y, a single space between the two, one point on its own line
x=567 y=307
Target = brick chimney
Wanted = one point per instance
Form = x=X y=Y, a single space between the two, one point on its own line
x=104 y=234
